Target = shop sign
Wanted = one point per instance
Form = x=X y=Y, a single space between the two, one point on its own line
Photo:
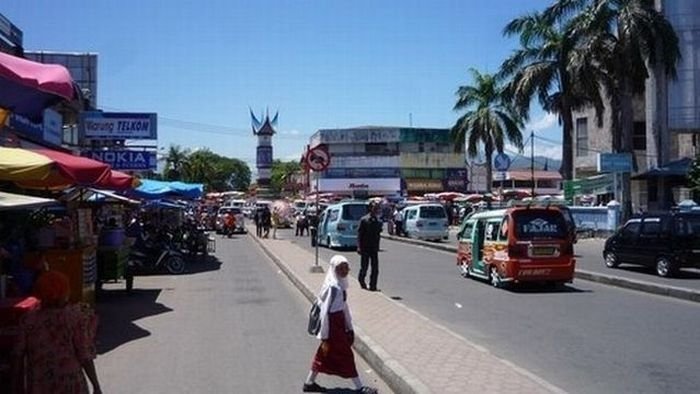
x=424 y=184
x=359 y=184
x=53 y=127
x=263 y=159
x=26 y=127
x=118 y=126
x=124 y=159
x=614 y=162
x=350 y=136
x=454 y=184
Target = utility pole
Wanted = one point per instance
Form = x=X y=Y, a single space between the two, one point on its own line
x=532 y=162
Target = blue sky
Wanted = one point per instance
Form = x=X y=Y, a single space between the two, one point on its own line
x=321 y=63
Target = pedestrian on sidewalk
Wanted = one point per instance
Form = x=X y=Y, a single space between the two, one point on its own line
x=258 y=222
x=275 y=222
x=334 y=355
x=266 y=221
x=368 y=235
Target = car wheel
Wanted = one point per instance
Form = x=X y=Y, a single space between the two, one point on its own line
x=611 y=260
x=665 y=267
x=175 y=265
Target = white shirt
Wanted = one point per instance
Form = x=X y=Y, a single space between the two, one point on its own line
x=338 y=304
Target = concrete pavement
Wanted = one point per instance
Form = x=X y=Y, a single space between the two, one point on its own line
x=410 y=352
x=653 y=285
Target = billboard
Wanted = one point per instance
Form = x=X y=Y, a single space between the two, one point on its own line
x=130 y=160
x=615 y=162
x=263 y=159
x=96 y=125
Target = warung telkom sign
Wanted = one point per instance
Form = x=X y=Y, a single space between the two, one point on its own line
x=118 y=126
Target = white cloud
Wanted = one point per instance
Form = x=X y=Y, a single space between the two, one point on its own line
x=548 y=150
x=290 y=132
x=546 y=121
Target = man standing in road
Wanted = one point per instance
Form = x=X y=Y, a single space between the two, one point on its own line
x=368 y=234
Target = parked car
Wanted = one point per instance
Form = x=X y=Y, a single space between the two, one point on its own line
x=426 y=221
x=665 y=242
x=339 y=222
x=237 y=213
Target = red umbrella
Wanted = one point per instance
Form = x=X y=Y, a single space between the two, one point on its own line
x=29 y=87
x=118 y=180
x=69 y=170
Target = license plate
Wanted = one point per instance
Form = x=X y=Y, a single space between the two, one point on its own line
x=432 y=224
x=543 y=251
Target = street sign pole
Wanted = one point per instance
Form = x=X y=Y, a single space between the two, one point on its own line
x=318 y=160
x=316 y=268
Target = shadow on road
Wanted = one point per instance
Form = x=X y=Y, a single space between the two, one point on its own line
x=199 y=264
x=538 y=288
x=118 y=310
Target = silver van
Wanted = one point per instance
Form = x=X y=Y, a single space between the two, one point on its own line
x=426 y=221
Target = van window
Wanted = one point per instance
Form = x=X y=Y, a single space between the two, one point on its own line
x=651 y=227
x=467 y=230
x=503 y=231
x=688 y=225
x=411 y=214
x=432 y=212
x=631 y=229
x=333 y=215
x=354 y=211
x=531 y=224
x=492 y=230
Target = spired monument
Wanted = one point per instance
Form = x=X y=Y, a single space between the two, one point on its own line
x=263 y=159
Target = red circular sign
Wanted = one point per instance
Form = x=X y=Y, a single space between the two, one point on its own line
x=318 y=158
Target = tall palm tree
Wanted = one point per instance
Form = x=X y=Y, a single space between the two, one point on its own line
x=548 y=66
x=623 y=38
x=175 y=161
x=489 y=119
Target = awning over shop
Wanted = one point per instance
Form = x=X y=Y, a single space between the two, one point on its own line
x=675 y=169
x=30 y=87
x=49 y=169
x=119 y=181
x=106 y=195
x=151 y=189
x=10 y=201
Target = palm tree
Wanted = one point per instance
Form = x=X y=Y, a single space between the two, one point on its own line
x=175 y=162
x=488 y=120
x=549 y=66
x=623 y=38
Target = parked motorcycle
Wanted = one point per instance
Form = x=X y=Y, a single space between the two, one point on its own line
x=154 y=255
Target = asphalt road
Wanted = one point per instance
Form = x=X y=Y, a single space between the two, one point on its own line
x=587 y=338
x=234 y=324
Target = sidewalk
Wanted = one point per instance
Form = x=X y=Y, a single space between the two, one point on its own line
x=411 y=353
x=624 y=279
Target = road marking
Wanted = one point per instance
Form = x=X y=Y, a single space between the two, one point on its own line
x=458 y=305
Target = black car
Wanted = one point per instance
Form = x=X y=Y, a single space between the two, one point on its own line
x=665 y=242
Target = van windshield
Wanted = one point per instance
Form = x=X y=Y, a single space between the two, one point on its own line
x=433 y=212
x=354 y=211
x=538 y=224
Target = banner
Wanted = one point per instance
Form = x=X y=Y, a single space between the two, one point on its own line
x=118 y=126
x=124 y=159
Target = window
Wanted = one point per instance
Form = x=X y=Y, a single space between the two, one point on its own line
x=333 y=215
x=582 y=137
x=466 y=232
x=631 y=229
x=639 y=139
x=411 y=214
x=432 y=212
x=532 y=224
x=492 y=229
x=651 y=227
x=354 y=211
x=503 y=233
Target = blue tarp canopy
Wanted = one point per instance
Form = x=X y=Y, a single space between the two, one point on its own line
x=151 y=189
x=674 y=169
x=163 y=204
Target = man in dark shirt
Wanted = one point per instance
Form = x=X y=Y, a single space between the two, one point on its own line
x=368 y=235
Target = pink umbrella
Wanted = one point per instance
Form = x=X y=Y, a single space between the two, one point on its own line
x=27 y=87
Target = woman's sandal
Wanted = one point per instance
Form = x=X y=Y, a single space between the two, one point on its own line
x=367 y=390
x=313 y=388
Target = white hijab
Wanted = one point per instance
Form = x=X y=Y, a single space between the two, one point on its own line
x=332 y=278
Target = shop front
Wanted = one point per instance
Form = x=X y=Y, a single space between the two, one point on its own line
x=359 y=187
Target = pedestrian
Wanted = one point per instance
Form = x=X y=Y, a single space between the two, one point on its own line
x=313 y=226
x=258 y=222
x=334 y=355
x=368 y=235
x=275 y=219
x=266 y=221
x=57 y=341
x=398 y=222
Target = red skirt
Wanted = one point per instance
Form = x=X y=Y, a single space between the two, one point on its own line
x=339 y=359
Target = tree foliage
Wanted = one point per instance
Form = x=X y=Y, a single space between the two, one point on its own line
x=282 y=176
x=216 y=172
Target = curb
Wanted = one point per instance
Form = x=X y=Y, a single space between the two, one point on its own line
x=393 y=374
x=611 y=280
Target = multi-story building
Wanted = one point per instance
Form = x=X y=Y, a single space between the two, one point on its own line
x=390 y=161
x=10 y=37
x=81 y=65
x=666 y=120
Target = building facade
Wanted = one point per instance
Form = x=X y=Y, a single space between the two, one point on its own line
x=666 y=120
x=81 y=65
x=390 y=161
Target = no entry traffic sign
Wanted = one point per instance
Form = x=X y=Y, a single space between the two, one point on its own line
x=318 y=158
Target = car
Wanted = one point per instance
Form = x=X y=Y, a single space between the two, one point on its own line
x=237 y=213
x=338 y=224
x=665 y=241
x=426 y=222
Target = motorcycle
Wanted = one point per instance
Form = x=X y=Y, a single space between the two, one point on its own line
x=194 y=240
x=153 y=256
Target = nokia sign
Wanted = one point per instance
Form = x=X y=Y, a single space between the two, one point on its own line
x=124 y=159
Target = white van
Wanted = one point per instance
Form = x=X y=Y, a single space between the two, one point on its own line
x=426 y=221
